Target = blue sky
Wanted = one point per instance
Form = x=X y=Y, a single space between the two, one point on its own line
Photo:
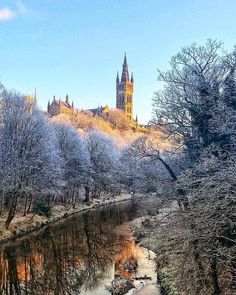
x=76 y=47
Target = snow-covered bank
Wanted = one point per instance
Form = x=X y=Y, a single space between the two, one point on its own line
x=145 y=230
x=23 y=225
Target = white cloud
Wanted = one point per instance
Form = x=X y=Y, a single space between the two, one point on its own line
x=6 y=14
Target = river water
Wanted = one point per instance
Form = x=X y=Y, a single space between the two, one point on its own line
x=78 y=255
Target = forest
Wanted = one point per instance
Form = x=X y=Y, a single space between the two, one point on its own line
x=187 y=189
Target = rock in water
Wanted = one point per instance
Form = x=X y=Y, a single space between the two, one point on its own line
x=131 y=264
x=121 y=285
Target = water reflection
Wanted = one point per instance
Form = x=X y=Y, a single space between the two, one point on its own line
x=75 y=255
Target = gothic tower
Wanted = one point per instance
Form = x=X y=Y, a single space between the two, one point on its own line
x=124 y=91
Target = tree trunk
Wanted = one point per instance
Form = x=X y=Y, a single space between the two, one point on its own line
x=233 y=267
x=12 y=211
x=200 y=274
x=30 y=203
x=25 y=207
x=182 y=200
x=87 y=198
x=73 y=197
x=214 y=276
x=14 y=282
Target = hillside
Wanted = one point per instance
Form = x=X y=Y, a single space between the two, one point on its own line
x=115 y=124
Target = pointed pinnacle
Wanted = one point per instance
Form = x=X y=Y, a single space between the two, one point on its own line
x=125 y=59
x=132 y=77
x=117 y=77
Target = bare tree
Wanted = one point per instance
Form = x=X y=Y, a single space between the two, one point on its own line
x=28 y=153
x=191 y=92
x=76 y=163
x=197 y=108
x=118 y=119
x=104 y=157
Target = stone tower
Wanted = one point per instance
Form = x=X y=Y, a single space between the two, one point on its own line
x=124 y=91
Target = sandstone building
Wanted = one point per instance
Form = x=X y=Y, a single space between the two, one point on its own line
x=99 y=111
x=124 y=91
x=124 y=100
x=61 y=107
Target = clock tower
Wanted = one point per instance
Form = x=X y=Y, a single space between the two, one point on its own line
x=124 y=91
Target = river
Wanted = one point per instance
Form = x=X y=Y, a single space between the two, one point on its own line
x=78 y=255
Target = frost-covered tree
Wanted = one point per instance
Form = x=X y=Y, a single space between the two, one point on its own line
x=105 y=167
x=229 y=83
x=197 y=107
x=75 y=159
x=29 y=162
x=118 y=119
x=190 y=95
x=147 y=166
x=201 y=238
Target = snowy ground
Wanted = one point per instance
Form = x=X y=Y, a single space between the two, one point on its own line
x=22 y=225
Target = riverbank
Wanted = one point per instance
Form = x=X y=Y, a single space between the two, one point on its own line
x=140 y=279
x=146 y=230
x=23 y=225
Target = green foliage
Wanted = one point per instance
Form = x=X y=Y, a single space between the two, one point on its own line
x=42 y=207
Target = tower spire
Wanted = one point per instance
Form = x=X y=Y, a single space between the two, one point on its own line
x=125 y=59
x=117 y=78
x=124 y=92
x=125 y=71
x=132 y=78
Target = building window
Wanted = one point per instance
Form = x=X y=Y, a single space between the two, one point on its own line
x=128 y=110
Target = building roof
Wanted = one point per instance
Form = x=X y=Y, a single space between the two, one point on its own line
x=99 y=110
x=65 y=104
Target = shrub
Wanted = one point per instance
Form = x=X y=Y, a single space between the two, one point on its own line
x=42 y=207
